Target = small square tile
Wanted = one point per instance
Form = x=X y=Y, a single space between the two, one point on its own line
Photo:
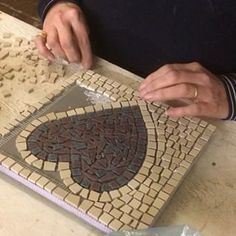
x=8 y=162
x=25 y=173
x=60 y=193
x=105 y=218
x=115 y=225
x=50 y=186
x=94 y=212
x=85 y=205
x=49 y=166
x=75 y=188
x=17 y=168
x=41 y=182
x=73 y=200
x=34 y=177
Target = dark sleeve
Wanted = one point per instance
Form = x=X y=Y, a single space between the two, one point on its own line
x=229 y=81
x=44 y=6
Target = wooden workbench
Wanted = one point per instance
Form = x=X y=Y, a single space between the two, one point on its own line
x=206 y=200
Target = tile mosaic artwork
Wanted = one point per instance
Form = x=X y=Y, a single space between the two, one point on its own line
x=118 y=163
x=105 y=149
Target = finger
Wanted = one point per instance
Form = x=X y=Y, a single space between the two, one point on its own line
x=68 y=42
x=43 y=50
x=180 y=91
x=170 y=79
x=54 y=44
x=194 y=66
x=81 y=34
x=194 y=109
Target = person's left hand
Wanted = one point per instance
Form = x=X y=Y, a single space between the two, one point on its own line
x=204 y=90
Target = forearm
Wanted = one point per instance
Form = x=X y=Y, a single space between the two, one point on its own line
x=229 y=81
x=45 y=5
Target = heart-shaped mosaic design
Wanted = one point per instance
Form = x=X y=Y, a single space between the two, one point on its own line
x=115 y=160
x=105 y=149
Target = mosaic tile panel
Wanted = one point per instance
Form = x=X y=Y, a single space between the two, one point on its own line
x=119 y=162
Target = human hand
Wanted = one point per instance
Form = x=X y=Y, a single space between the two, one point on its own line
x=66 y=35
x=204 y=90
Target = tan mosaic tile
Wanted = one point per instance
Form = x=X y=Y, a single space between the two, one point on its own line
x=49 y=166
x=85 y=206
x=50 y=186
x=33 y=177
x=116 y=213
x=99 y=205
x=38 y=163
x=68 y=182
x=73 y=200
x=147 y=219
x=93 y=196
x=153 y=211
x=135 y=204
x=126 y=209
x=94 y=212
x=144 y=207
x=158 y=203
x=42 y=182
x=74 y=187
x=17 y=168
x=108 y=207
x=8 y=162
x=105 y=218
x=105 y=197
x=115 y=225
x=25 y=173
x=60 y=193
x=84 y=193
x=63 y=166
x=126 y=198
x=117 y=203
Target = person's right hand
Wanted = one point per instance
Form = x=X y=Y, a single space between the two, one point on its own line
x=67 y=35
